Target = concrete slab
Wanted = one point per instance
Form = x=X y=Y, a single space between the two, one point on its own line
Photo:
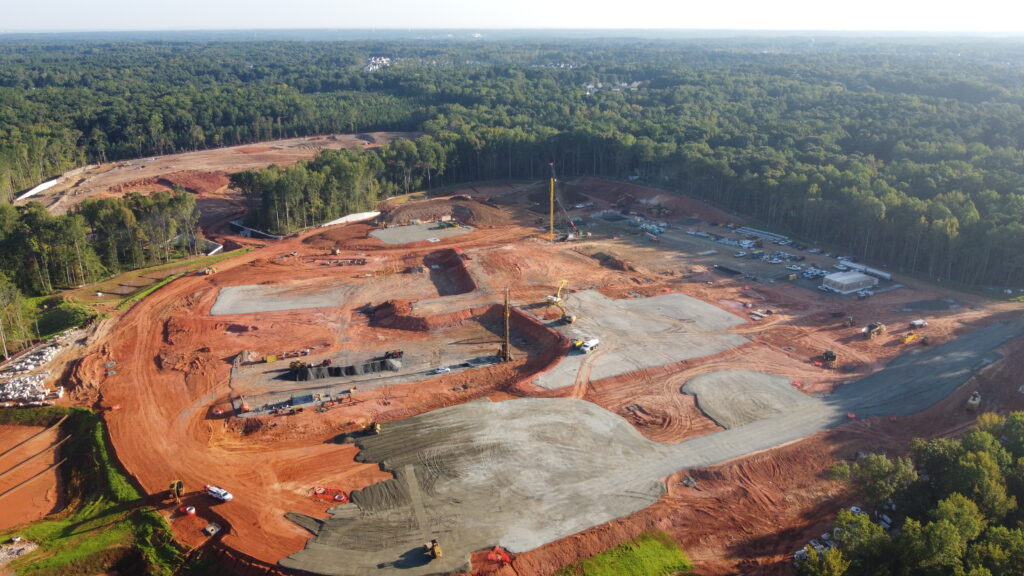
x=639 y=333
x=526 y=472
x=258 y=298
x=417 y=233
x=733 y=398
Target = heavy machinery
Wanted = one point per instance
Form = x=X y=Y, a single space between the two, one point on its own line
x=433 y=549
x=176 y=491
x=208 y=271
x=556 y=301
x=910 y=337
x=394 y=354
x=974 y=401
x=872 y=330
x=372 y=429
x=828 y=359
x=585 y=346
x=849 y=322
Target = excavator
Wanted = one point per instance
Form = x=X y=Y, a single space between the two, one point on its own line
x=556 y=301
x=828 y=359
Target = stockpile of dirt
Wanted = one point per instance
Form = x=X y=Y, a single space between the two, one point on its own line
x=397 y=315
x=467 y=211
x=199 y=182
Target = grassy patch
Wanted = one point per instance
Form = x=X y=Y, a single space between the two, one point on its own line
x=106 y=525
x=57 y=315
x=651 y=554
x=129 y=301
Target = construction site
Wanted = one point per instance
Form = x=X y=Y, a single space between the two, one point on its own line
x=545 y=369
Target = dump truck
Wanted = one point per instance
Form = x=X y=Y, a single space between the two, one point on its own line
x=873 y=330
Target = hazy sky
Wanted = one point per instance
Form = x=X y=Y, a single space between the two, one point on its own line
x=882 y=15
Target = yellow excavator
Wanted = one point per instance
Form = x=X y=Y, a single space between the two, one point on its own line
x=556 y=301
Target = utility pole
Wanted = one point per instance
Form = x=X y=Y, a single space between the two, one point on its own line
x=3 y=339
x=551 y=233
x=506 y=345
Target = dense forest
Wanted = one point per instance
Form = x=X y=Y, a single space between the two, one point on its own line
x=952 y=506
x=907 y=152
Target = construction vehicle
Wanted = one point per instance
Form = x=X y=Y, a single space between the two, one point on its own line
x=373 y=428
x=556 y=301
x=849 y=322
x=910 y=337
x=872 y=330
x=585 y=346
x=974 y=401
x=433 y=549
x=828 y=359
x=557 y=296
x=176 y=491
x=394 y=354
x=208 y=271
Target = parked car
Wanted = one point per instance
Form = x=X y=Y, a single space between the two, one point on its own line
x=441 y=370
x=794 y=268
x=219 y=493
x=740 y=254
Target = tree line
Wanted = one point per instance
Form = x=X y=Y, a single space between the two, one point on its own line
x=953 y=503
x=906 y=152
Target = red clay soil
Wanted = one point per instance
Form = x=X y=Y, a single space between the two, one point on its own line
x=174 y=367
x=37 y=497
x=472 y=212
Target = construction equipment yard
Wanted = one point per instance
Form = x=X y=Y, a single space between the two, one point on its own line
x=661 y=357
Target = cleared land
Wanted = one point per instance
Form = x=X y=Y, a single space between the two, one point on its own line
x=516 y=474
x=418 y=233
x=672 y=328
x=616 y=416
x=27 y=490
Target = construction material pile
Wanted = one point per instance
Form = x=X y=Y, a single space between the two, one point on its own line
x=32 y=361
x=28 y=391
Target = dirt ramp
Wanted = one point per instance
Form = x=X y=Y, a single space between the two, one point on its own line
x=448 y=272
x=733 y=398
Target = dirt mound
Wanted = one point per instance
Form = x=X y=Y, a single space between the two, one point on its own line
x=397 y=315
x=468 y=211
x=199 y=182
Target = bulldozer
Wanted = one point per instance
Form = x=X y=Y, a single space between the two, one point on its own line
x=176 y=490
x=910 y=337
x=873 y=330
x=828 y=359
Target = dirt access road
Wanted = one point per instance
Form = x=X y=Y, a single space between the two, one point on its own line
x=28 y=488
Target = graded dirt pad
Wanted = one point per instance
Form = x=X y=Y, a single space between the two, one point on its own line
x=418 y=233
x=733 y=398
x=274 y=298
x=640 y=333
x=526 y=472
x=201 y=171
x=479 y=474
x=34 y=496
x=471 y=212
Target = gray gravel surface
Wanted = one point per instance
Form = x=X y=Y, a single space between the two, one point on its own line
x=526 y=472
